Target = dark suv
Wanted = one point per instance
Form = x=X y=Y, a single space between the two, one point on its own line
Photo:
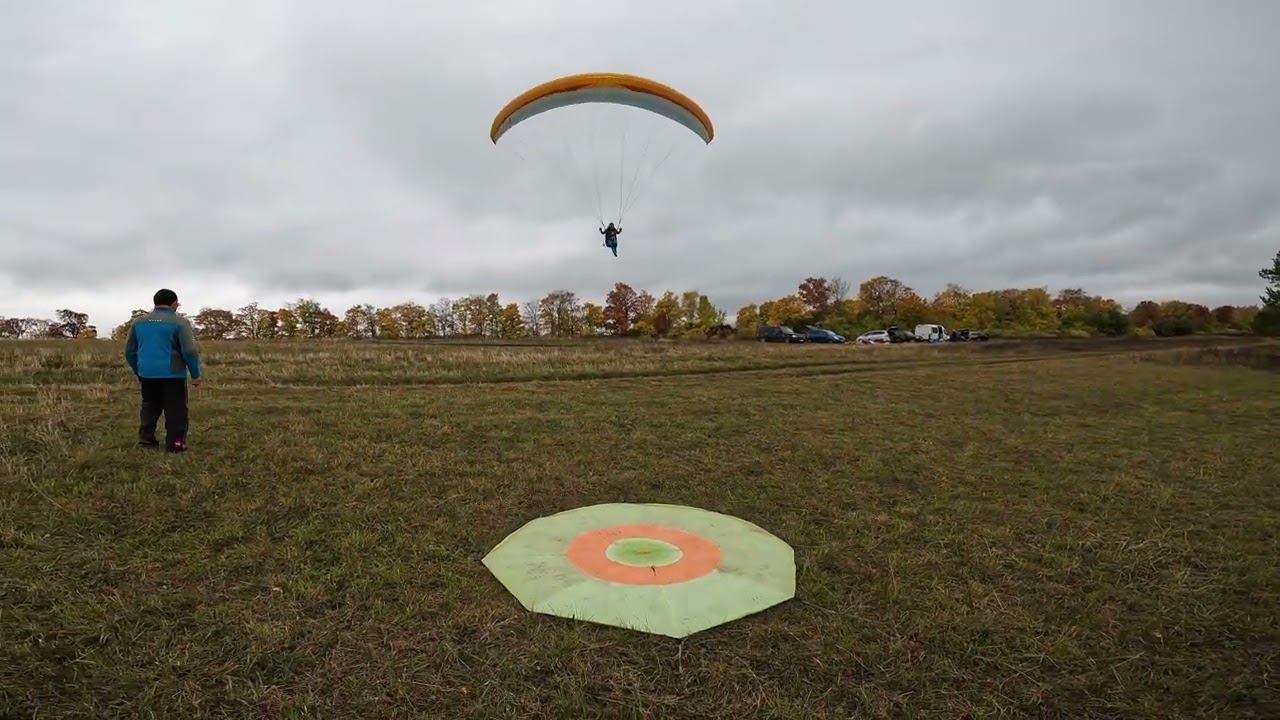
x=779 y=333
x=898 y=335
x=822 y=335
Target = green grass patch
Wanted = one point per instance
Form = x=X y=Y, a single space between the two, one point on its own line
x=1048 y=529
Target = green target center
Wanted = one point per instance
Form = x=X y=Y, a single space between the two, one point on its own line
x=643 y=552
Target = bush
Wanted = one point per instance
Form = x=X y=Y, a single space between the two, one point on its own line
x=1174 y=327
x=1142 y=332
x=1267 y=321
x=1112 y=323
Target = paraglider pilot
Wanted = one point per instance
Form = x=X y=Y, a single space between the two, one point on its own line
x=611 y=237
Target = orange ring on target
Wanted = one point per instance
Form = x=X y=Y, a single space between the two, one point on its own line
x=588 y=553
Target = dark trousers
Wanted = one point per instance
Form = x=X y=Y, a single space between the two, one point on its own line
x=168 y=397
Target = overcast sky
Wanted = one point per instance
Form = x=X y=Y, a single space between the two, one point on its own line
x=272 y=150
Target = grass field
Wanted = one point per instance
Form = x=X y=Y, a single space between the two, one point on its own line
x=1043 y=529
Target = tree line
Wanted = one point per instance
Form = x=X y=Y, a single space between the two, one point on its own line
x=878 y=303
x=1032 y=312
x=560 y=314
x=68 y=324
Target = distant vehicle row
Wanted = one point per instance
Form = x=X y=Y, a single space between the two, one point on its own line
x=894 y=334
x=782 y=333
x=923 y=333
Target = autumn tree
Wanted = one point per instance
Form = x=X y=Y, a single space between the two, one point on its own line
x=1080 y=312
x=1145 y=314
x=288 y=325
x=30 y=327
x=492 y=312
x=70 y=324
x=667 y=314
x=468 y=316
x=748 y=321
x=709 y=315
x=512 y=324
x=839 y=290
x=687 y=318
x=1025 y=311
x=327 y=324
x=789 y=310
x=620 y=309
x=1073 y=306
x=121 y=331
x=271 y=325
x=950 y=306
x=313 y=320
x=249 y=321
x=982 y=309
x=215 y=324
x=361 y=321
x=415 y=321
x=847 y=319
x=880 y=297
x=1113 y=321
x=1225 y=316
x=690 y=315
x=818 y=295
x=592 y=319
x=911 y=311
x=442 y=314
x=642 y=320
x=532 y=322
x=1245 y=315
x=387 y=322
x=1181 y=318
x=472 y=315
x=560 y=313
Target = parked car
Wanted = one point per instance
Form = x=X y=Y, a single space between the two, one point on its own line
x=931 y=333
x=779 y=333
x=967 y=335
x=898 y=335
x=822 y=335
x=874 y=337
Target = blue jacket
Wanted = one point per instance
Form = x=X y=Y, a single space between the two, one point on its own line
x=161 y=344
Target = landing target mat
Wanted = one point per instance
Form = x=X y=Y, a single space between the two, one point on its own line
x=664 y=569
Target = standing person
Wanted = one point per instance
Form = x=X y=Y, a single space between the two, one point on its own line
x=162 y=350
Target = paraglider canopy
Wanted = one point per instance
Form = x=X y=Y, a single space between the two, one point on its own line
x=616 y=88
x=608 y=131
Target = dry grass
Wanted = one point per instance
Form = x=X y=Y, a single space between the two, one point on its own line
x=1004 y=530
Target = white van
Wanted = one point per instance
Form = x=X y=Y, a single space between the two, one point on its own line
x=931 y=333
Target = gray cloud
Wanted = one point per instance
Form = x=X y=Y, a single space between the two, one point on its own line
x=340 y=150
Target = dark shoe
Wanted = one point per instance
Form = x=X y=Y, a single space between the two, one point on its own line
x=179 y=445
x=148 y=442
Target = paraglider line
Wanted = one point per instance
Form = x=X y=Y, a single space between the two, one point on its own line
x=564 y=140
x=595 y=165
x=622 y=169
x=635 y=198
x=513 y=148
x=635 y=177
